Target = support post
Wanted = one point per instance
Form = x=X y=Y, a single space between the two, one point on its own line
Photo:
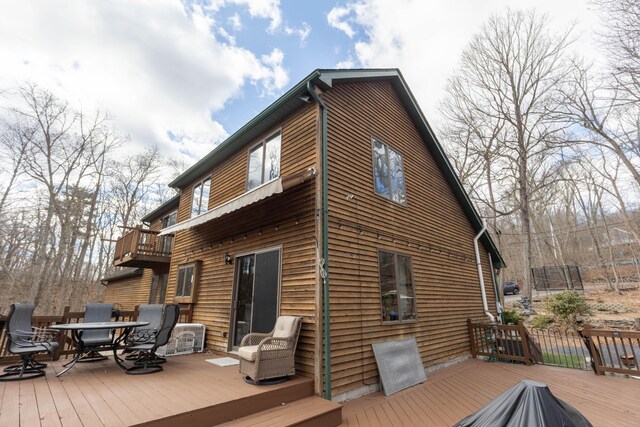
x=62 y=335
x=522 y=330
x=472 y=339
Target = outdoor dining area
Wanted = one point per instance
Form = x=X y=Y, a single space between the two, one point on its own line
x=99 y=354
x=100 y=332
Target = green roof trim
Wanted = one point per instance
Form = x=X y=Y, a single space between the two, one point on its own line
x=324 y=79
x=166 y=207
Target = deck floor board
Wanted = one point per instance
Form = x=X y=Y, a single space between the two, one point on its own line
x=100 y=393
x=452 y=393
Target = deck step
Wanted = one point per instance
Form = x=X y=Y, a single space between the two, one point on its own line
x=308 y=412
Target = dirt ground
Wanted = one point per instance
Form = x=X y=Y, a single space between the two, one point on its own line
x=609 y=308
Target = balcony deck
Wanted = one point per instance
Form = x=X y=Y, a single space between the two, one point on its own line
x=192 y=392
x=143 y=248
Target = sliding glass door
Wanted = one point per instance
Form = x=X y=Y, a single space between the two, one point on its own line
x=256 y=294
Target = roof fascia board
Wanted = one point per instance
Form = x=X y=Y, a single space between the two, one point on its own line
x=246 y=133
x=167 y=206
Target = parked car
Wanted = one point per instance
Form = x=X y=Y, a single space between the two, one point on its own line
x=510 y=288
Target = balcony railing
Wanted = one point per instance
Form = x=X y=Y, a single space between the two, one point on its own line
x=140 y=247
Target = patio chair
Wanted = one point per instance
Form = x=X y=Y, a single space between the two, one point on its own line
x=26 y=343
x=147 y=344
x=151 y=313
x=270 y=356
x=97 y=339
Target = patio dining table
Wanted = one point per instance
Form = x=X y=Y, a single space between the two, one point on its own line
x=78 y=328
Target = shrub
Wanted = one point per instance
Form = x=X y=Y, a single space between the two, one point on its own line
x=511 y=316
x=567 y=306
x=541 y=322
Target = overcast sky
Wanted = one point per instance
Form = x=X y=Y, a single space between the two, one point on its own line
x=186 y=74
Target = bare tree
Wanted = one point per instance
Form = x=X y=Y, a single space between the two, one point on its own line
x=605 y=119
x=132 y=180
x=621 y=40
x=507 y=87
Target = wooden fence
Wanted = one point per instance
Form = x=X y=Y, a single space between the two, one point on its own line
x=605 y=350
x=64 y=337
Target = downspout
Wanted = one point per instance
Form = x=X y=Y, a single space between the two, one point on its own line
x=325 y=244
x=479 y=265
x=495 y=288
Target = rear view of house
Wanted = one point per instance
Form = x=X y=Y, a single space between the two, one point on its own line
x=336 y=204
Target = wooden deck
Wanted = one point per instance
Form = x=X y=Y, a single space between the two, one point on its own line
x=192 y=392
x=453 y=393
x=189 y=392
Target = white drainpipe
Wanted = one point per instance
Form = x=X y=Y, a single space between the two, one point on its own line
x=485 y=306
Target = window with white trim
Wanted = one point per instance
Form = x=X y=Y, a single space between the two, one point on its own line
x=200 y=197
x=264 y=162
x=397 y=293
x=388 y=173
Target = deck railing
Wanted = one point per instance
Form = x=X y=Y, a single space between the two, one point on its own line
x=502 y=342
x=603 y=350
x=613 y=350
x=139 y=241
x=64 y=337
x=564 y=348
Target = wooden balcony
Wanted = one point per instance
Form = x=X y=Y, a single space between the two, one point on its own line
x=143 y=248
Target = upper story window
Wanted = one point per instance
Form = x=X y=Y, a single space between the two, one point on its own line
x=169 y=220
x=388 y=174
x=200 y=197
x=264 y=162
x=397 y=295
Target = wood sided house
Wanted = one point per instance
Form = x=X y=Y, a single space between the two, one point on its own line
x=340 y=184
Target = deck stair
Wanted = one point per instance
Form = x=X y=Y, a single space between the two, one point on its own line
x=310 y=411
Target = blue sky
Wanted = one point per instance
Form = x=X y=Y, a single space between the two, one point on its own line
x=184 y=75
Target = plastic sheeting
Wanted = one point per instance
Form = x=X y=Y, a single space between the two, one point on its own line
x=526 y=404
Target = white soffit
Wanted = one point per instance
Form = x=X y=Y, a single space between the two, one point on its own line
x=246 y=199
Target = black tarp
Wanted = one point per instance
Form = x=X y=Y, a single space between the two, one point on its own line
x=526 y=404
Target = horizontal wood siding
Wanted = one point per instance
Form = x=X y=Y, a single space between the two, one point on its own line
x=286 y=219
x=130 y=291
x=432 y=228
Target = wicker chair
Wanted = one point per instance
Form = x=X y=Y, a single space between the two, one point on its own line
x=272 y=355
x=26 y=342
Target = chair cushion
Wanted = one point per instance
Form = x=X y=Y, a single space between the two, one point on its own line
x=35 y=348
x=141 y=346
x=96 y=341
x=284 y=326
x=248 y=352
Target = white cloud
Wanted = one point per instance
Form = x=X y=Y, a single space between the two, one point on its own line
x=268 y=9
x=235 y=22
x=302 y=32
x=154 y=65
x=338 y=18
x=425 y=39
x=277 y=76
